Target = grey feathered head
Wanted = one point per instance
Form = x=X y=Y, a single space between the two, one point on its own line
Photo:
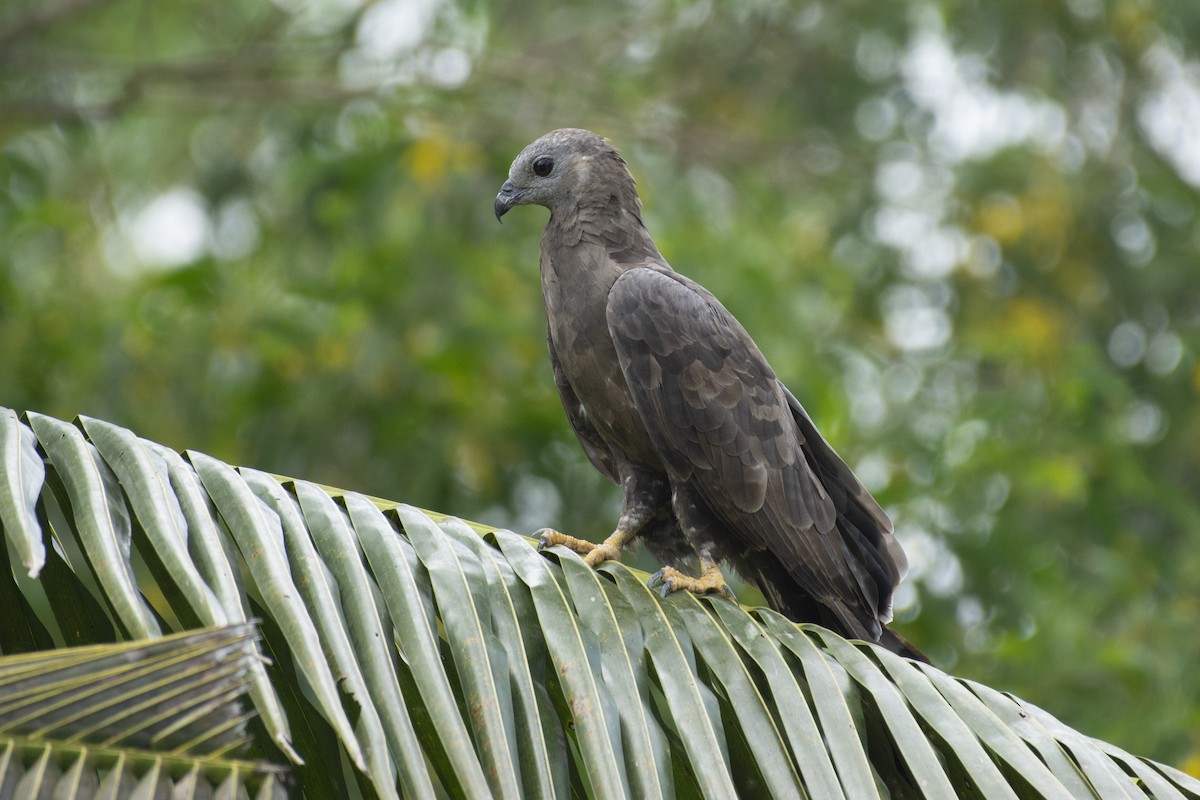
x=562 y=168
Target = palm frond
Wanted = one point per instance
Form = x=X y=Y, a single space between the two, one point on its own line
x=132 y=719
x=437 y=658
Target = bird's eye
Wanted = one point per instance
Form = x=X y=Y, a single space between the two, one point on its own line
x=543 y=166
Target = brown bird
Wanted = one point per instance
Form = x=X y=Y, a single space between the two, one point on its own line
x=672 y=400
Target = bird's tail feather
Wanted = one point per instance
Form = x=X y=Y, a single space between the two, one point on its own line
x=789 y=599
x=901 y=646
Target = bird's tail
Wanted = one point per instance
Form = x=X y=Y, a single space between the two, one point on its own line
x=901 y=646
x=786 y=597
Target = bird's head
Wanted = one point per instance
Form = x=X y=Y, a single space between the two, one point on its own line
x=561 y=169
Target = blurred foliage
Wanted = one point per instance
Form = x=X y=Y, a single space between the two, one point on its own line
x=964 y=233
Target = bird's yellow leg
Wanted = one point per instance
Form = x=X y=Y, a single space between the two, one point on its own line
x=638 y=512
x=592 y=552
x=711 y=580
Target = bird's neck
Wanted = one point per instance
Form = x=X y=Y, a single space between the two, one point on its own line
x=586 y=247
x=613 y=222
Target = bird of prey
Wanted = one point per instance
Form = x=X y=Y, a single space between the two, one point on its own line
x=672 y=400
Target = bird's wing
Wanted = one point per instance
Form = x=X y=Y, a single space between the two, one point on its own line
x=721 y=421
x=853 y=501
x=589 y=438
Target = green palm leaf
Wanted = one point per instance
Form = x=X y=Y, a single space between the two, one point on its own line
x=416 y=654
x=131 y=719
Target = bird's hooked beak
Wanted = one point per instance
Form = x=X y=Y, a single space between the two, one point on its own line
x=509 y=196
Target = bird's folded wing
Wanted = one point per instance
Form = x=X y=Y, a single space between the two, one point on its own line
x=721 y=421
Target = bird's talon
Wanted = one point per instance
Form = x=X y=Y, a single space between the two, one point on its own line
x=548 y=537
x=710 y=581
x=601 y=553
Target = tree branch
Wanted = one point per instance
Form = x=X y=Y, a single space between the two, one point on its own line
x=41 y=17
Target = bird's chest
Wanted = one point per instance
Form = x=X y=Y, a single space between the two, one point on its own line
x=579 y=333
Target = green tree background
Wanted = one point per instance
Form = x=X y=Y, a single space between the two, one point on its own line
x=964 y=233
